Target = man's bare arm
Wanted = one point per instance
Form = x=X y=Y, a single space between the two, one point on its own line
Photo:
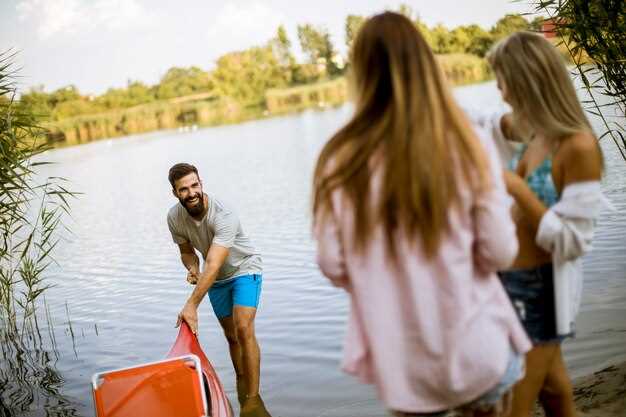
x=189 y=258
x=215 y=259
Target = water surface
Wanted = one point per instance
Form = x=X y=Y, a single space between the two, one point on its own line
x=123 y=282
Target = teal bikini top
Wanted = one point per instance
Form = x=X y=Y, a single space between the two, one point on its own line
x=540 y=180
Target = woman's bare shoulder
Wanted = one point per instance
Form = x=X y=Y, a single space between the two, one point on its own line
x=579 y=158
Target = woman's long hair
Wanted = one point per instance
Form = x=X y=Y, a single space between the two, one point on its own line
x=538 y=85
x=405 y=111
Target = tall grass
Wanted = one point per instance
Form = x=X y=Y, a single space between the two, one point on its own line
x=31 y=210
x=144 y=118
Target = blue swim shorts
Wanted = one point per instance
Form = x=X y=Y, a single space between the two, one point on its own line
x=244 y=291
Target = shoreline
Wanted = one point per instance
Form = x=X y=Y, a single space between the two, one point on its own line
x=206 y=110
x=249 y=115
x=600 y=394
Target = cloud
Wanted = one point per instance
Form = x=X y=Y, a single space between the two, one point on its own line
x=54 y=17
x=243 y=24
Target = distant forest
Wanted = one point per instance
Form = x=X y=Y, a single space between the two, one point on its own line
x=245 y=76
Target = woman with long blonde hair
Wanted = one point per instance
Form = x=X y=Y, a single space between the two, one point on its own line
x=412 y=219
x=555 y=184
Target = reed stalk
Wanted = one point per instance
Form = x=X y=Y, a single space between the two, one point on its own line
x=594 y=34
x=31 y=209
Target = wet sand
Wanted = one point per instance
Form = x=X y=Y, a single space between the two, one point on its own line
x=601 y=394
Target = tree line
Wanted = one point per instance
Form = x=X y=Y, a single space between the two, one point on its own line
x=246 y=75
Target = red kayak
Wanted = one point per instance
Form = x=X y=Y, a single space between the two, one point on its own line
x=182 y=385
x=187 y=343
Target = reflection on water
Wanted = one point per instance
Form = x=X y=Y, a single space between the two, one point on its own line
x=30 y=384
x=122 y=279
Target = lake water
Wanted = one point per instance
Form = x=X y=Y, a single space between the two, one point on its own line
x=120 y=283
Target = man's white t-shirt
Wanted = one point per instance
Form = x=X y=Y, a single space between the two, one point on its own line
x=219 y=226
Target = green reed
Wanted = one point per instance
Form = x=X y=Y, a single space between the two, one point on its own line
x=594 y=34
x=31 y=209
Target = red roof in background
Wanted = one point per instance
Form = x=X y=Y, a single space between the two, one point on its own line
x=548 y=28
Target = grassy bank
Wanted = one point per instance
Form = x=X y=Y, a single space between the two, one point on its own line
x=144 y=118
x=210 y=111
x=461 y=69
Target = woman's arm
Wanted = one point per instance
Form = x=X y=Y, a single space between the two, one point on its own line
x=496 y=243
x=528 y=203
x=330 y=255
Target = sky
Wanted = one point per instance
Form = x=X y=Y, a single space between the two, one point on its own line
x=99 y=44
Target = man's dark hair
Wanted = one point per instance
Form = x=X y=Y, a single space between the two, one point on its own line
x=180 y=170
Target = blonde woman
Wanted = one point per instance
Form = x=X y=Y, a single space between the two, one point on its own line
x=555 y=184
x=412 y=219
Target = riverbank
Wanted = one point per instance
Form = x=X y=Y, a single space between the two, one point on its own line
x=601 y=394
x=209 y=110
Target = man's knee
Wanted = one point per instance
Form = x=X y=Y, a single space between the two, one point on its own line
x=231 y=337
x=244 y=330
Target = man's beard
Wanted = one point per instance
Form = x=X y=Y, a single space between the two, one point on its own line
x=196 y=209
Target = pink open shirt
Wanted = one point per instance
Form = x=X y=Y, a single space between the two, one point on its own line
x=431 y=334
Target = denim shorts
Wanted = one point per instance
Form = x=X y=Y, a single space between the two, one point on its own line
x=244 y=291
x=515 y=370
x=532 y=294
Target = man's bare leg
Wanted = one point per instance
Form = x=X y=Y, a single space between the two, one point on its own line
x=250 y=353
x=228 y=324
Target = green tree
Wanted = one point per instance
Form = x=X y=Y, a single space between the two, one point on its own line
x=480 y=40
x=71 y=108
x=537 y=23
x=37 y=101
x=64 y=94
x=306 y=73
x=508 y=24
x=139 y=93
x=281 y=47
x=316 y=43
x=246 y=75
x=134 y=94
x=178 y=82
x=352 y=26
x=441 y=39
x=460 y=40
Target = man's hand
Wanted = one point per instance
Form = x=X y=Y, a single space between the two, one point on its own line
x=191 y=262
x=192 y=277
x=189 y=314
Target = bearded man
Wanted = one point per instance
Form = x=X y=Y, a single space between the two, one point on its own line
x=231 y=271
